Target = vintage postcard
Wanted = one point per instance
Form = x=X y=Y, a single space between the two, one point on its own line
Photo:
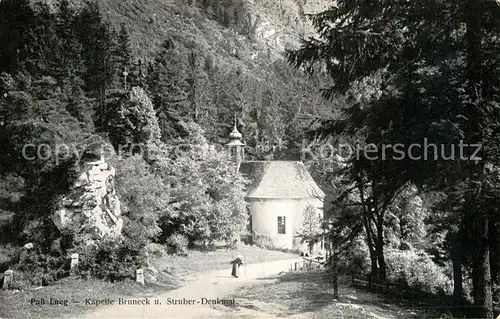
x=249 y=159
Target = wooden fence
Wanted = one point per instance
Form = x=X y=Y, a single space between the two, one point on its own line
x=307 y=264
x=365 y=281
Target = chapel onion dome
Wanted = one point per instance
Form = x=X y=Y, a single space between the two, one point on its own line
x=235 y=137
x=235 y=134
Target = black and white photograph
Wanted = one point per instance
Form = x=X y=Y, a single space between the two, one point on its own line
x=196 y=159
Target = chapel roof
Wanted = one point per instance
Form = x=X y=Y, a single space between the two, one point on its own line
x=279 y=180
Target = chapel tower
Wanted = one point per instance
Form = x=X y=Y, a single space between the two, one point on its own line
x=236 y=146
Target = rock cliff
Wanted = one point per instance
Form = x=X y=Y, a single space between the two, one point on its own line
x=92 y=206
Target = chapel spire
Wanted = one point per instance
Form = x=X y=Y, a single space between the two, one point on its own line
x=235 y=144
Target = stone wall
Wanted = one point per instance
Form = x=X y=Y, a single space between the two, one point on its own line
x=91 y=206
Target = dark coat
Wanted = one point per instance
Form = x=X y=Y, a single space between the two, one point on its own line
x=236 y=267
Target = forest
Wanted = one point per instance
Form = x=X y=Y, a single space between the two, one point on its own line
x=376 y=74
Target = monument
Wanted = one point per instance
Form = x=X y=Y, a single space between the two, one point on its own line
x=91 y=206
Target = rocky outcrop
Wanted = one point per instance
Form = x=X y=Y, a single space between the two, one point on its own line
x=279 y=25
x=92 y=206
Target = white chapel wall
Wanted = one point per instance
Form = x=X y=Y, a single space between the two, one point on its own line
x=265 y=214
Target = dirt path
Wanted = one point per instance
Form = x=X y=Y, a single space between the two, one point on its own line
x=209 y=287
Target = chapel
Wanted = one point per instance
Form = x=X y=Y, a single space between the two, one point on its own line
x=278 y=196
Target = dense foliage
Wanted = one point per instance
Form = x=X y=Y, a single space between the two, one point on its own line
x=416 y=73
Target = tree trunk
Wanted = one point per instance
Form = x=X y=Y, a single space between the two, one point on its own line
x=493 y=231
x=369 y=231
x=483 y=298
x=374 y=265
x=371 y=248
x=380 y=248
x=335 y=274
x=457 y=253
x=482 y=293
x=402 y=240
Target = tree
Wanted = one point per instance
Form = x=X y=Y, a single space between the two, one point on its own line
x=207 y=192
x=13 y=49
x=98 y=41
x=311 y=228
x=193 y=84
x=123 y=55
x=41 y=43
x=169 y=88
x=144 y=198
x=408 y=215
x=68 y=62
x=131 y=120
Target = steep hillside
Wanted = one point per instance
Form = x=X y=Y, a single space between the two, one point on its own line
x=246 y=41
x=253 y=45
x=278 y=24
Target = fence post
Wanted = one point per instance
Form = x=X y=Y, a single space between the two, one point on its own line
x=8 y=279
x=140 y=276
x=74 y=264
x=335 y=275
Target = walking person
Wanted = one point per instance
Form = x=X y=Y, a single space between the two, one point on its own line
x=236 y=266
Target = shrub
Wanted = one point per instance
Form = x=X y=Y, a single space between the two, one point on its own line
x=156 y=250
x=355 y=259
x=311 y=228
x=113 y=259
x=418 y=271
x=177 y=244
x=206 y=192
x=7 y=254
x=263 y=241
x=496 y=293
x=37 y=268
x=203 y=245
